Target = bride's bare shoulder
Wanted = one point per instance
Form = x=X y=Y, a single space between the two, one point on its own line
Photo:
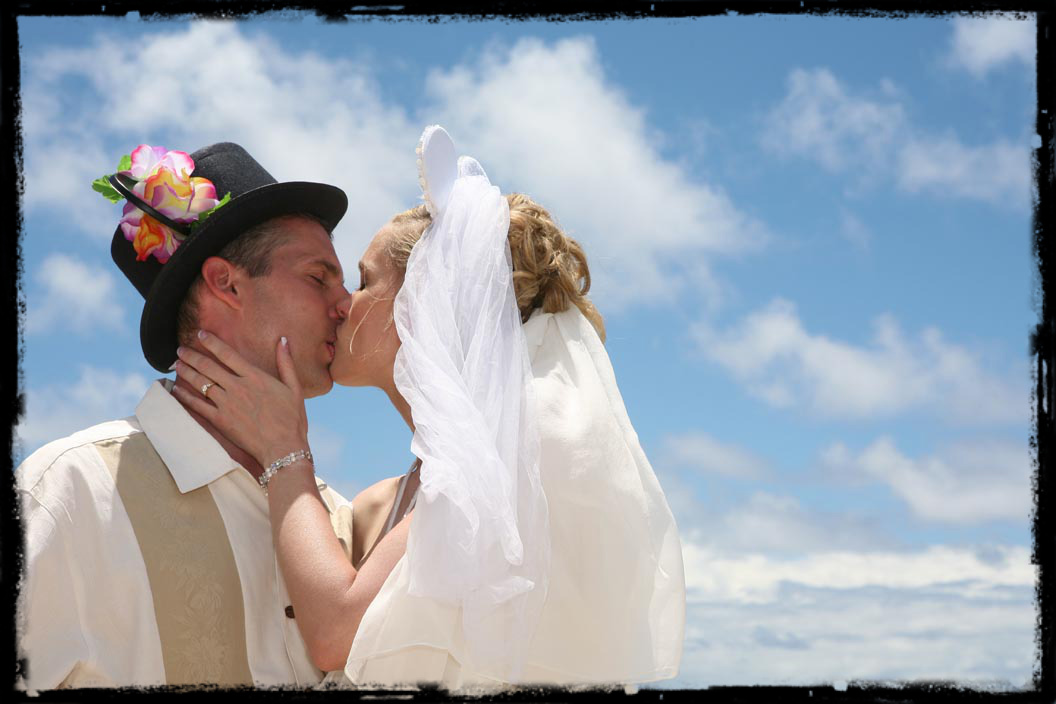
x=382 y=492
x=370 y=510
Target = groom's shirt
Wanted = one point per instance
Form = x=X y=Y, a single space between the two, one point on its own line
x=149 y=560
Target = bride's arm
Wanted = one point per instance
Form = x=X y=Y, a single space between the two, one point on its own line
x=329 y=596
x=265 y=417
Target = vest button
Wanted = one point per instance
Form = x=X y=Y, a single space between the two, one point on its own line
x=289 y=611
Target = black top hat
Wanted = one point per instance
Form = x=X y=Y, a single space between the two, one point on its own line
x=255 y=198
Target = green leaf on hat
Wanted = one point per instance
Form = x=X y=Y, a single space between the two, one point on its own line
x=202 y=217
x=102 y=185
x=125 y=164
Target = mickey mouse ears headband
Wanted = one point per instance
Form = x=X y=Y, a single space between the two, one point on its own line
x=439 y=167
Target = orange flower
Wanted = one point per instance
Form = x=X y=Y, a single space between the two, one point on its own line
x=151 y=237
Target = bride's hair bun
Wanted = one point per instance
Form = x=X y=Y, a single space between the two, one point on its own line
x=549 y=267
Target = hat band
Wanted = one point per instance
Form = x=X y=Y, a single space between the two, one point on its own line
x=179 y=230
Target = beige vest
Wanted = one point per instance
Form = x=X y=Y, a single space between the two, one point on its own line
x=190 y=565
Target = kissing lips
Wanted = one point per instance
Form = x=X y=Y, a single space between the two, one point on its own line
x=331 y=349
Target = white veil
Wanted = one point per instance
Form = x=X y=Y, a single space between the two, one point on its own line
x=479 y=541
x=524 y=442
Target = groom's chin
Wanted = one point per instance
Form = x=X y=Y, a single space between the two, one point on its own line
x=335 y=380
x=322 y=386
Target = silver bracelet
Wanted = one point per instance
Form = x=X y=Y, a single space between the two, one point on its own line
x=280 y=463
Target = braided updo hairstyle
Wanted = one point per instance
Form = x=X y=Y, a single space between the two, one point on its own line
x=549 y=267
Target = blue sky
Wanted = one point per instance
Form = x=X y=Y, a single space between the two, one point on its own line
x=810 y=238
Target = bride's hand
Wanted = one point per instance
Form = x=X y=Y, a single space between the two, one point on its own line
x=261 y=414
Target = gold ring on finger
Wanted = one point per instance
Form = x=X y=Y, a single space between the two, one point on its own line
x=205 y=388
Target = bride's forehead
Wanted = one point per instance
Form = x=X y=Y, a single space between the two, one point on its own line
x=378 y=247
x=382 y=236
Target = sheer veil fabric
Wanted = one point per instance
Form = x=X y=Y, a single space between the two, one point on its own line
x=542 y=549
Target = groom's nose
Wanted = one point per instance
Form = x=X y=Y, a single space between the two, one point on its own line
x=344 y=302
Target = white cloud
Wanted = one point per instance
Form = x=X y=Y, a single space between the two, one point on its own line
x=765 y=522
x=780 y=524
x=969 y=482
x=60 y=169
x=937 y=613
x=545 y=120
x=824 y=615
x=982 y=44
x=703 y=453
x=819 y=119
x=942 y=165
x=873 y=138
x=98 y=395
x=301 y=116
x=74 y=296
x=781 y=362
x=779 y=592
x=755 y=577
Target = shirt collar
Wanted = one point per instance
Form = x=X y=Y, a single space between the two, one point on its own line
x=193 y=456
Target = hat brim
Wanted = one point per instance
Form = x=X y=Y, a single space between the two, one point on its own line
x=157 y=326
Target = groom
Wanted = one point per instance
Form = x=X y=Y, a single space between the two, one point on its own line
x=148 y=549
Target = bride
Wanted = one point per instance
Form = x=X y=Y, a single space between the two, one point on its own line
x=530 y=541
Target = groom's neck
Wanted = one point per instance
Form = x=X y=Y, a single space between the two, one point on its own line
x=234 y=451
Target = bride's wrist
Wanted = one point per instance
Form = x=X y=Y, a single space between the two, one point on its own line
x=278 y=449
x=297 y=459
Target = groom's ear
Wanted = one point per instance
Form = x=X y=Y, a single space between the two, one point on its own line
x=223 y=280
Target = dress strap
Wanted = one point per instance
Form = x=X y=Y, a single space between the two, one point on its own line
x=399 y=498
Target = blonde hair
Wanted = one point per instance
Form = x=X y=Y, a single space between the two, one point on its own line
x=549 y=267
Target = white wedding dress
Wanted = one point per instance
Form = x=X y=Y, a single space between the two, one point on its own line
x=598 y=591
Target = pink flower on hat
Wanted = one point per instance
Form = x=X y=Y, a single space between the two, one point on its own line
x=179 y=198
x=164 y=182
x=146 y=160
